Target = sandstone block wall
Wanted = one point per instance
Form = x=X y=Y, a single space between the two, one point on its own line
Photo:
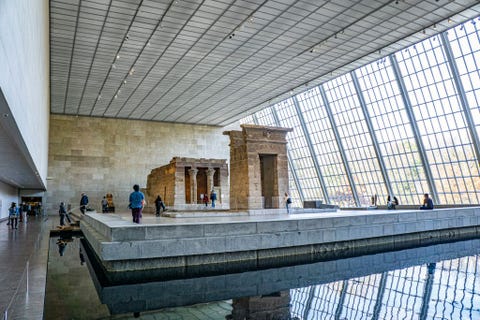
x=161 y=181
x=238 y=176
x=100 y=155
x=172 y=182
x=254 y=151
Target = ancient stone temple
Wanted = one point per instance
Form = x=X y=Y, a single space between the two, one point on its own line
x=258 y=167
x=183 y=183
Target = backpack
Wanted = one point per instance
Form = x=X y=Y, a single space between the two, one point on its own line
x=289 y=200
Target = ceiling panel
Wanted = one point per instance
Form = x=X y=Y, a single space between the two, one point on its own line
x=179 y=60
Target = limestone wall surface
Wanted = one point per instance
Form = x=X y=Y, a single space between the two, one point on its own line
x=100 y=155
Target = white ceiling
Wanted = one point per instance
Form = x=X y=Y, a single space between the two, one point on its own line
x=215 y=61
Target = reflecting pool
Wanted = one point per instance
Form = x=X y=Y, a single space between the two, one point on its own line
x=434 y=282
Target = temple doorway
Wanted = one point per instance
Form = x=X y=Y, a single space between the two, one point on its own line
x=268 y=174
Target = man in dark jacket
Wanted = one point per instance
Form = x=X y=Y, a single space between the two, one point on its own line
x=213 y=198
x=83 y=203
x=427 y=202
x=159 y=204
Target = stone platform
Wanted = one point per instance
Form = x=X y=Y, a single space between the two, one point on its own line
x=186 y=242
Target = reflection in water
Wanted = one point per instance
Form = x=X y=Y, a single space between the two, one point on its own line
x=422 y=283
x=82 y=257
x=273 y=306
x=62 y=244
x=444 y=290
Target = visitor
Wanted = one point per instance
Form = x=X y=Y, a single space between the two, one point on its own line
x=104 y=205
x=392 y=204
x=205 y=199
x=62 y=211
x=20 y=213
x=62 y=245
x=159 y=204
x=25 y=209
x=13 y=215
x=288 y=201
x=213 y=198
x=136 y=203
x=427 y=202
x=83 y=202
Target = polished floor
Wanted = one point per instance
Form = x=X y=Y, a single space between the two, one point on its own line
x=24 y=259
x=24 y=255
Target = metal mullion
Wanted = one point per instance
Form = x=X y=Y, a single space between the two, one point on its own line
x=289 y=158
x=427 y=292
x=464 y=282
x=328 y=296
x=473 y=285
x=376 y=147
x=343 y=294
x=416 y=131
x=308 y=304
x=369 y=295
x=391 y=292
x=462 y=95
x=306 y=134
x=381 y=292
x=340 y=145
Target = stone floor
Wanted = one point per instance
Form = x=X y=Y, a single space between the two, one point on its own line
x=24 y=254
x=23 y=268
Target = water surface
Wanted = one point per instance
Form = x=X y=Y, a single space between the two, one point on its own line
x=434 y=282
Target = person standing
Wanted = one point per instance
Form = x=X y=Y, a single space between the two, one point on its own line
x=205 y=199
x=83 y=203
x=13 y=215
x=62 y=211
x=427 y=202
x=159 y=204
x=20 y=213
x=213 y=198
x=136 y=202
x=288 y=201
x=104 y=205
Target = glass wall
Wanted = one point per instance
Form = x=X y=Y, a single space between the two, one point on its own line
x=404 y=125
x=440 y=117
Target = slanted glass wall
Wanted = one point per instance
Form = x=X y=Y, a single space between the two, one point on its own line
x=404 y=125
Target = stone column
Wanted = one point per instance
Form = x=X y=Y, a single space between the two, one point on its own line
x=210 y=173
x=193 y=185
